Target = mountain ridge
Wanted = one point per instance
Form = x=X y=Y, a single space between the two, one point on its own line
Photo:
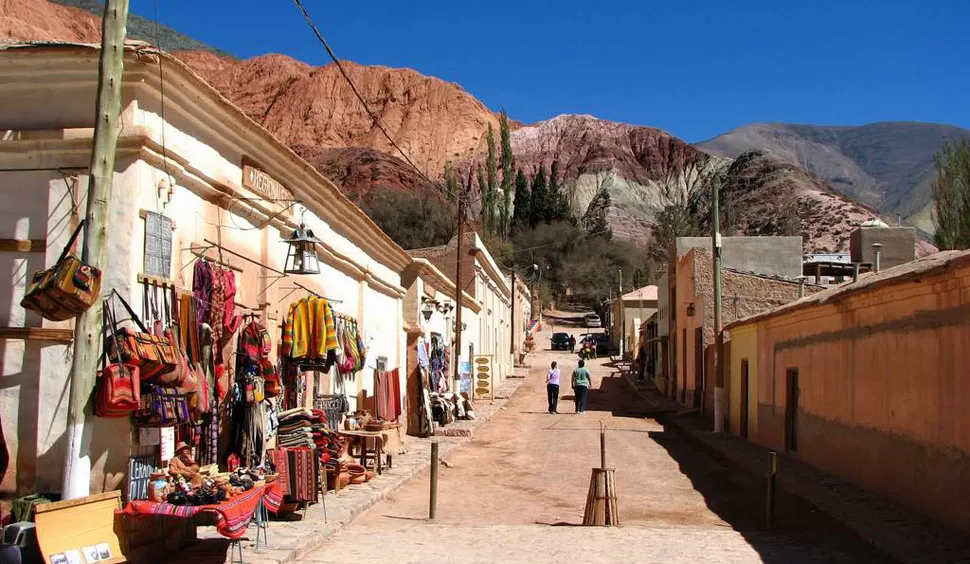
x=628 y=173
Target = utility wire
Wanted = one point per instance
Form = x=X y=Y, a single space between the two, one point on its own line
x=360 y=97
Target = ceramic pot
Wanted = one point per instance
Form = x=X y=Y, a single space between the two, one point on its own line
x=344 y=479
x=368 y=475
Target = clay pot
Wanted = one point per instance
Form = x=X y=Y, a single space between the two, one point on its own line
x=369 y=475
x=344 y=479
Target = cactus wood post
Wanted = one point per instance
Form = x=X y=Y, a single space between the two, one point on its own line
x=87 y=332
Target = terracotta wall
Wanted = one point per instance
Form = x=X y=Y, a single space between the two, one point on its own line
x=884 y=392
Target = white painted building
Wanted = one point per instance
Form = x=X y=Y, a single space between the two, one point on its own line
x=186 y=164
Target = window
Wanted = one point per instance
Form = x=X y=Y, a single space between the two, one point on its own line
x=158 y=245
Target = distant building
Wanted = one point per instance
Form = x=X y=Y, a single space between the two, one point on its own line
x=760 y=257
x=742 y=294
x=897 y=245
x=626 y=316
x=868 y=381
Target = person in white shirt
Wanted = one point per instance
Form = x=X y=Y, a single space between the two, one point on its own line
x=552 y=387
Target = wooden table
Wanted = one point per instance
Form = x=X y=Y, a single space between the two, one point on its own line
x=367 y=446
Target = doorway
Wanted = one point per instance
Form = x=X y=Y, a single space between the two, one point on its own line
x=791 y=410
x=743 y=423
x=699 y=388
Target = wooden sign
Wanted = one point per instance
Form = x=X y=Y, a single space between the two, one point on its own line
x=264 y=185
x=483 y=377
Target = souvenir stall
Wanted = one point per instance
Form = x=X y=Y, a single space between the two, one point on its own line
x=439 y=404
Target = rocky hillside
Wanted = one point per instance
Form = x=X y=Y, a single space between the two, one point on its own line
x=627 y=173
x=887 y=166
x=765 y=195
x=433 y=121
x=622 y=173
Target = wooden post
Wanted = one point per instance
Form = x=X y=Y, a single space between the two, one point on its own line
x=433 y=507
x=772 y=470
x=87 y=331
x=602 y=446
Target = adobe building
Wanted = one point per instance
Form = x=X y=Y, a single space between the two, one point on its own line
x=776 y=261
x=867 y=381
x=896 y=246
x=207 y=173
x=742 y=294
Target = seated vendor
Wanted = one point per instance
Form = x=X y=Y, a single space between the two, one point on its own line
x=183 y=464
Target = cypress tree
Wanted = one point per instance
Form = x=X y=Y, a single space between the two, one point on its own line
x=540 y=198
x=558 y=202
x=506 y=162
x=491 y=182
x=522 y=214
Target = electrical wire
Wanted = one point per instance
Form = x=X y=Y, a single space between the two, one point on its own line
x=161 y=93
x=374 y=117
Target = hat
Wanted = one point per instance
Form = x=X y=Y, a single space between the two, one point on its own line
x=181 y=445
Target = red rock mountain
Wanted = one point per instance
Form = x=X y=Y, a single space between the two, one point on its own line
x=626 y=173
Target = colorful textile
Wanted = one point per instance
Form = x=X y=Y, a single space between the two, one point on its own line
x=232 y=516
x=309 y=330
x=303 y=474
x=282 y=462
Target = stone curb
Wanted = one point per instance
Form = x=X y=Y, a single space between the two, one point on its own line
x=314 y=533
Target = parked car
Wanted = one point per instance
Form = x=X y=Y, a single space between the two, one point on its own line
x=592 y=320
x=560 y=341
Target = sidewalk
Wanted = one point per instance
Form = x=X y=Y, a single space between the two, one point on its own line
x=898 y=532
x=292 y=540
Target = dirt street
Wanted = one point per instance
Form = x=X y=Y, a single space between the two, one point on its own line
x=517 y=490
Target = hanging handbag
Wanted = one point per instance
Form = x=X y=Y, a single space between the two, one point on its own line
x=64 y=290
x=154 y=356
x=118 y=386
x=162 y=406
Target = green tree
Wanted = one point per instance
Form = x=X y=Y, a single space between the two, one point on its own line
x=559 y=208
x=951 y=191
x=539 y=212
x=672 y=222
x=451 y=183
x=507 y=164
x=491 y=182
x=522 y=213
x=412 y=219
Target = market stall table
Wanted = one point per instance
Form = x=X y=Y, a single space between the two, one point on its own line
x=231 y=516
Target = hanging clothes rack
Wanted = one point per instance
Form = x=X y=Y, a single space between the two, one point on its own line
x=282 y=274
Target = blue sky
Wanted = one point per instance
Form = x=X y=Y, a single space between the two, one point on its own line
x=694 y=68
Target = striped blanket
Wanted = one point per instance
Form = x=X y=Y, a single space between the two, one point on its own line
x=232 y=516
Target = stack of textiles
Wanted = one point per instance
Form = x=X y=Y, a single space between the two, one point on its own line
x=296 y=428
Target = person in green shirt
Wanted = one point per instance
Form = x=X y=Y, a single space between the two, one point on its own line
x=581 y=386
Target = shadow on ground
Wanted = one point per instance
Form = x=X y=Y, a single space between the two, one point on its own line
x=737 y=496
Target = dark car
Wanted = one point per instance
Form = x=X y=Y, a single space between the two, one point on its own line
x=560 y=341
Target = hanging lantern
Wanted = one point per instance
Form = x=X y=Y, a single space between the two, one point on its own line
x=302 y=256
x=427 y=311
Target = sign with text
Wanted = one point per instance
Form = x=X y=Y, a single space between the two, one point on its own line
x=265 y=186
x=482 y=367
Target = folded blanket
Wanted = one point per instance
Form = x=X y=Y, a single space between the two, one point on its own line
x=296 y=412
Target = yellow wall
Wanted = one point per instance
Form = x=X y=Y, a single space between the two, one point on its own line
x=744 y=346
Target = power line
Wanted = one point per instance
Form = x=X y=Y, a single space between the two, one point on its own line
x=360 y=97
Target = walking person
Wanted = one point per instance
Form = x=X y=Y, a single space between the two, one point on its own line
x=581 y=386
x=572 y=344
x=552 y=387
